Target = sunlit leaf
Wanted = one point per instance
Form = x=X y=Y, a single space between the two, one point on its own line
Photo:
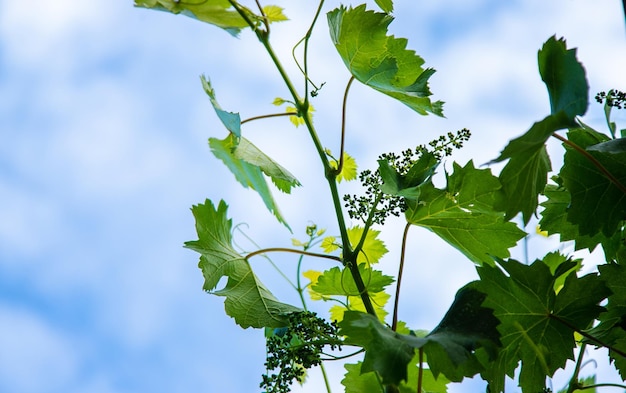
x=248 y=301
x=373 y=248
x=216 y=12
x=463 y=215
x=381 y=61
x=274 y=13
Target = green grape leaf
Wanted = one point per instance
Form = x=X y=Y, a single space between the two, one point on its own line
x=373 y=248
x=380 y=61
x=274 y=13
x=248 y=301
x=463 y=214
x=357 y=382
x=355 y=303
x=614 y=146
x=385 y=5
x=339 y=282
x=386 y=352
x=247 y=174
x=526 y=174
x=536 y=323
x=554 y=221
x=465 y=327
x=597 y=204
x=564 y=77
x=219 y=13
x=430 y=383
x=232 y=121
x=612 y=327
x=329 y=244
x=280 y=176
x=448 y=348
x=408 y=185
x=349 y=169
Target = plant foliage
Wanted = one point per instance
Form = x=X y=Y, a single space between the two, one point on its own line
x=518 y=319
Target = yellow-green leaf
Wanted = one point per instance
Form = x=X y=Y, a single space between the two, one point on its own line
x=373 y=248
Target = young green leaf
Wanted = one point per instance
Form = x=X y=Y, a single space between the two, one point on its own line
x=564 y=77
x=274 y=13
x=597 y=203
x=373 y=248
x=381 y=61
x=357 y=381
x=463 y=214
x=536 y=324
x=349 y=169
x=247 y=299
x=338 y=282
x=216 y=12
x=249 y=175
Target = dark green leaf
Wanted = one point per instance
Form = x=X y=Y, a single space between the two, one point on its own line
x=463 y=214
x=465 y=327
x=381 y=61
x=216 y=12
x=408 y=185
x=597 y=203
x=247 y=174
x=564 y=77
x=386 y=352
x=614 y=146
x=247 y=299
x=525 y=175
x=536 y=323
x=554 y=221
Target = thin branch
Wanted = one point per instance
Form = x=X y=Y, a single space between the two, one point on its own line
x=420 y=371
x=394 y=323
x=593 y=160
x=292 y=250
x=268 y=116
x=266 y=21
x=343 y=124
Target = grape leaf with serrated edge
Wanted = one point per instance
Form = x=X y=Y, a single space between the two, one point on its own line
x=248 y=301
x=373 y=248
x=612 y=328
x=564 y=77
x=554 y=221
x=385 y=5
x=380 y=61
x=597 y=204
x=407 y=185
x=525 y=175
x=248 y=175
x=337 y=282
x=463 y=214
x=535 y=322
x=216 y=12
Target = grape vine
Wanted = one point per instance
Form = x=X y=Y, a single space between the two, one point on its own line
x=517 y=319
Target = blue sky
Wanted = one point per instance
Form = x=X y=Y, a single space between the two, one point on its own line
x=103 y=129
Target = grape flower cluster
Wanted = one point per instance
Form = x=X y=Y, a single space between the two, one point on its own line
x=377 y=206
x=294 y=349
x=614 y=98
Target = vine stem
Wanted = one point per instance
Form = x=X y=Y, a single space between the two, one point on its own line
x=292 y=250
x=302 y=105
x=343 y=124
x=267 y=116
x=593 y=160
x=573 y=382
x=394 y=323
x=420 y=370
